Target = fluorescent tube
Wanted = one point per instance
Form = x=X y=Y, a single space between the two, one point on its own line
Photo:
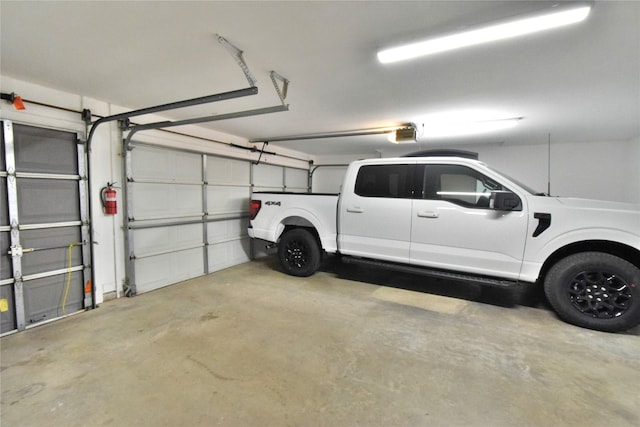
x=487 y=34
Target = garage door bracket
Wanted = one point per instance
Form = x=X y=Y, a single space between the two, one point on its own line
x=237 y=55
x=282 y=93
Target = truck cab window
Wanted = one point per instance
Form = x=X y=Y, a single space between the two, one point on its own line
x=458 y=184
x=388 y=181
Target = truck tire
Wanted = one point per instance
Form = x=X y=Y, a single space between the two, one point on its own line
x=299 y=252
x=595 y=290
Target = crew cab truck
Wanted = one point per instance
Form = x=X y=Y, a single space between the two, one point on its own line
x=458 y=218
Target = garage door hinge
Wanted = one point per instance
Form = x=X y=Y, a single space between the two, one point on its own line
x=16 y=251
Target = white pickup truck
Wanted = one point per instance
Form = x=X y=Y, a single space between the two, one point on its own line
x=458 y=218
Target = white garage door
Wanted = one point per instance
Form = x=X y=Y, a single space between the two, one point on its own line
x=279 y=178
x=228 y=192
x=165 y=217
x=327 y=178
x=187 y=213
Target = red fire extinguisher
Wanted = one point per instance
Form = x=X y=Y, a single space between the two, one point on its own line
x=109 y=202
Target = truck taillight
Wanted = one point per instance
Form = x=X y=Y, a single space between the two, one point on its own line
x=254 y=208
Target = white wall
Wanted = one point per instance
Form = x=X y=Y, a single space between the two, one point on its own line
x=106 y=161
x=595 y=170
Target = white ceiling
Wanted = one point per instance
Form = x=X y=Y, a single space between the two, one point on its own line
x=578 y=83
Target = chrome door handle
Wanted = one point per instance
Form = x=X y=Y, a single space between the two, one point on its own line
x=355 y=210
x=428 y=214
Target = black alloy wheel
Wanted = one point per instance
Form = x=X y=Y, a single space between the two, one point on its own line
x=299 y=252
x=595 y=290
x=600 y=294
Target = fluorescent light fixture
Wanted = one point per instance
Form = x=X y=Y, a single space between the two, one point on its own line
x=440 y=129
x=515 y=28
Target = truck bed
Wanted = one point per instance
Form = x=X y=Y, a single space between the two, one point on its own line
x=281 y=209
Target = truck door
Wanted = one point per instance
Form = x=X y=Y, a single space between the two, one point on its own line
x=374 y=217
x=453 y=227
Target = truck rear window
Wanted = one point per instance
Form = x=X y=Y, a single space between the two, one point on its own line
x=389 y=181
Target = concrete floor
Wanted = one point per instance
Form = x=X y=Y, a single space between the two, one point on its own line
x=250 y=346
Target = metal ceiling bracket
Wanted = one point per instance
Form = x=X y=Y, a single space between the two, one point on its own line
x=237 y=55
x=282 y=94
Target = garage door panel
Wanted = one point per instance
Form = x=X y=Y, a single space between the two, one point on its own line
x=228 y=171
x=167 y=238
x=158 y=163
x=296 y=180
x=162 y=270
x=227 y=254
x=153 y=200
x=40 y=150
x=297 y=190
x=3 y=163
x=44 y=298
x=47 y=201
x=4 y=208
x=328 y=179
x=5 y=261
x=7 y=317
x=268 y=176
x=51 y=249
x=229 y=229
x=227 y=200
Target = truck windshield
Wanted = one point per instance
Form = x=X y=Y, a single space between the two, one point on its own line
x=523 y=186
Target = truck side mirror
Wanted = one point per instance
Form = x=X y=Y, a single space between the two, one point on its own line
x=505 y=201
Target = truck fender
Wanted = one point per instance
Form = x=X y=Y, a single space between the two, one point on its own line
x=586 y=239
x=303 y=218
